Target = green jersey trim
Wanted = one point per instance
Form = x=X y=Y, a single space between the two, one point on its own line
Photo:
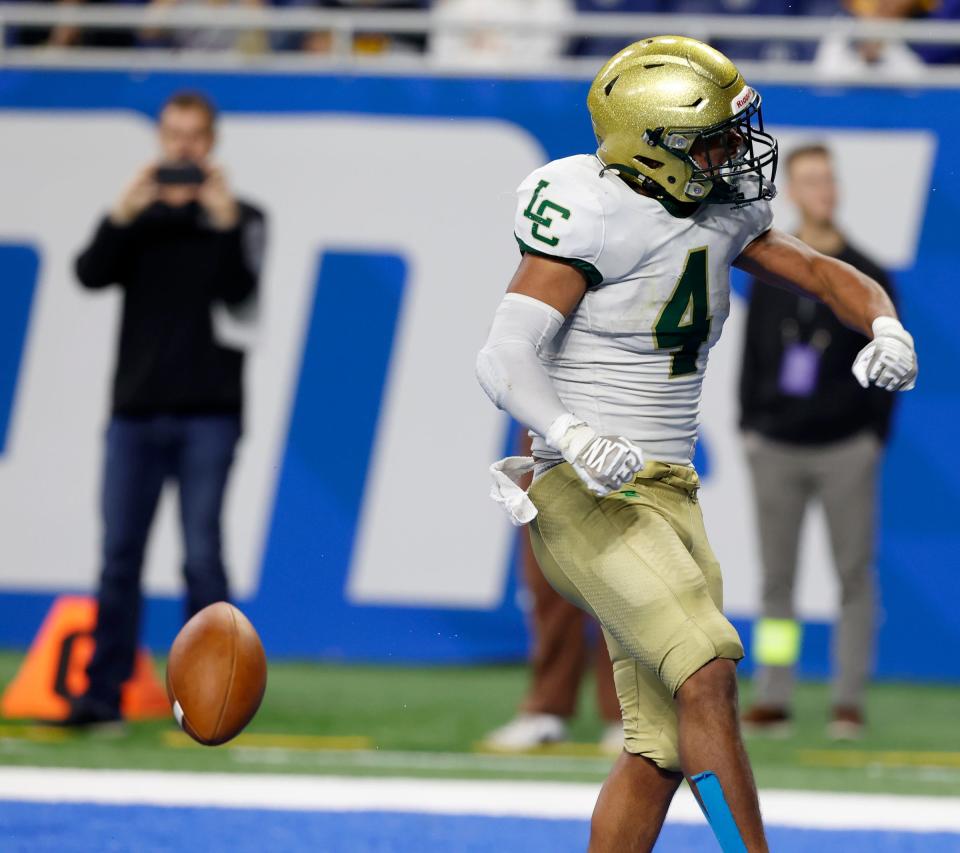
x=588 y=270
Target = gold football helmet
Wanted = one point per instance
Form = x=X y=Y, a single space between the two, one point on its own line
x=676 y=117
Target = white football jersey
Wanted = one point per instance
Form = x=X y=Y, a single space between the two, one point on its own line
x=631 y=357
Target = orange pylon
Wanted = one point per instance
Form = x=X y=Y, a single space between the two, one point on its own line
x=55 y=669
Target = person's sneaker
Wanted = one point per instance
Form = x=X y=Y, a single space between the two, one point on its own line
x=611 y=742
x=770 y=720
x=527 y=731
x=86 y=713
x=846 y=723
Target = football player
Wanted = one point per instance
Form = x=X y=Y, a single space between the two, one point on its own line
x=600 y=348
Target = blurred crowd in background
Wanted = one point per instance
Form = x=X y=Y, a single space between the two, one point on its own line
x=492 y=43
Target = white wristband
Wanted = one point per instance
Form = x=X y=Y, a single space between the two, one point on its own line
x=569 y=435
x=888 y=326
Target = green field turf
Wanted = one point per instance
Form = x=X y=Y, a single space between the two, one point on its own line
x=427 y=721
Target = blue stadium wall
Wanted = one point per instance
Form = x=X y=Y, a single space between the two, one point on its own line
x=299 y=601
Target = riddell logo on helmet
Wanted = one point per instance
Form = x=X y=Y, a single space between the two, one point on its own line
x=742 y=100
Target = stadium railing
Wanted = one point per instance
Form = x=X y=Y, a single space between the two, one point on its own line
x=344 y=25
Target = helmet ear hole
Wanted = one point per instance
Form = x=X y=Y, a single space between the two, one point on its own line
x=648 y=162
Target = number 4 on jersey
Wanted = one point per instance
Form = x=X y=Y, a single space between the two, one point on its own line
x=684 y=322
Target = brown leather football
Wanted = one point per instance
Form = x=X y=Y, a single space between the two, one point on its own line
x=216 y=674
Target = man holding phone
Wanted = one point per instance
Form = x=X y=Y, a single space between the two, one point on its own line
x=184 y=250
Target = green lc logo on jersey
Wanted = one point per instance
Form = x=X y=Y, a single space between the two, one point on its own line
x=538 y=218
x=684 y=322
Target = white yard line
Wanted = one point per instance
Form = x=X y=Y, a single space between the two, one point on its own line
x=806 y=809
x=411 y=761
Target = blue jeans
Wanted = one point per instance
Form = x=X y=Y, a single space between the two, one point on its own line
x=141 y=455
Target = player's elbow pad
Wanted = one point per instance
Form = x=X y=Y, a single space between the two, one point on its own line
x=490 y=376
x=520 y=328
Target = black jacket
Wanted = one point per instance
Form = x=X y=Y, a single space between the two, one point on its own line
x=837 y=407
x=173 y=267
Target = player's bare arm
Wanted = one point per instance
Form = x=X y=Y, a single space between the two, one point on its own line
x=782 y=260
x=554 y=282
x=859 y=302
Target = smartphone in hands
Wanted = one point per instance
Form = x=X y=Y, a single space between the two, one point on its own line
x=180 y=174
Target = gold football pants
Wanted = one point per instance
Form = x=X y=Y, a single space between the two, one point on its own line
x=640 y=562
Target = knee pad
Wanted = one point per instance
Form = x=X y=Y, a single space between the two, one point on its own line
x=694 y=647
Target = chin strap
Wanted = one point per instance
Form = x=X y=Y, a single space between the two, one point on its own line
x=649 y=185
x=623 y=169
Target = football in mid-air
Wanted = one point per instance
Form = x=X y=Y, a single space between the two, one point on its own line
x=216 y=674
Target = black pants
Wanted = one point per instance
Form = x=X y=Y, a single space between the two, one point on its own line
x=141 y=455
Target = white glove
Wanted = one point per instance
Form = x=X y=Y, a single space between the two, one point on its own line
x=604 y=462
x=889 y=360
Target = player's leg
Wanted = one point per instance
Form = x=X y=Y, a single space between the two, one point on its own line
x=207 y=446
x=636 y=795
x=782 y=487
x=847 y=488
x=632 y=806
x=710 y=741
x=622 y=559
x=136 y=464
x=698 y=732
x=707 y=707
